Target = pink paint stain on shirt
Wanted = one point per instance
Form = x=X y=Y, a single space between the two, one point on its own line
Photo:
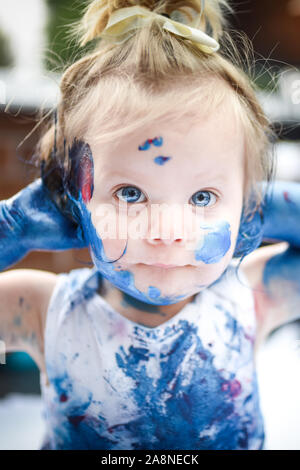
x=233 y=386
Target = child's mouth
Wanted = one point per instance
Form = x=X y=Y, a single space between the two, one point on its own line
x=164 y=266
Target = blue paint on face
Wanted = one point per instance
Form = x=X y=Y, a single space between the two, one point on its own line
x=157 y=141
x=122 y=279
x=214 y=244
x=153 y=292
x=161 y=160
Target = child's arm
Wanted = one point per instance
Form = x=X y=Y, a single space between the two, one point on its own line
x=24 y=299
x=274 y=270
x=29 y=221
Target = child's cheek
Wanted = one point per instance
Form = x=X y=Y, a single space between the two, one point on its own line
x=110 y=228
x=214 y=243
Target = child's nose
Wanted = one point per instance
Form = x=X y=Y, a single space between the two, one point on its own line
x=165 y=241
x=170 y=225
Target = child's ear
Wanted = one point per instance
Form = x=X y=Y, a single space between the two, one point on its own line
x=80 y=178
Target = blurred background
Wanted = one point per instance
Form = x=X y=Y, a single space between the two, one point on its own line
x=34 y=49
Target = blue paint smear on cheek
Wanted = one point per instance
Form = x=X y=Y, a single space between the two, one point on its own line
x=122 y=279
x=215 y=243
x=161 y=160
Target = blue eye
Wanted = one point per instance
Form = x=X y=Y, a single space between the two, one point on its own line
x=130 y=194
x=203 y=198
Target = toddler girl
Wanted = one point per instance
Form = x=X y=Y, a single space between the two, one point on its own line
x=158 y=161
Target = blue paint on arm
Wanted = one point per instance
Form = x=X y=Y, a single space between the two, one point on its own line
x=29 y=221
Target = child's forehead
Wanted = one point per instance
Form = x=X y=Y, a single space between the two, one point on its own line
x=206 y=144
x=219 y=129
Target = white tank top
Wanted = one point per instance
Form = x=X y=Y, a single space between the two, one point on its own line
x=189 y=383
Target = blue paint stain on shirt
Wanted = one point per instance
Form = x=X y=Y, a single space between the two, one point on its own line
x=178 y=393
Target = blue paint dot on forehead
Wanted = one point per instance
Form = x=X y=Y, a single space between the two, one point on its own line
x=161 y=160
x=157 y=141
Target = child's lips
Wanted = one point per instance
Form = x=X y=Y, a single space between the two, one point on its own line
x=164 y=266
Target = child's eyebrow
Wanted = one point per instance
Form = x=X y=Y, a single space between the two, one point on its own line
x=127 y=174
x=215 y=177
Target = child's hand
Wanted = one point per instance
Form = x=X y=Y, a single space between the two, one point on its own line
x=30 y=220
x=281 y=213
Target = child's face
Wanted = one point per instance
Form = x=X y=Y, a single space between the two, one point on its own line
x=193 y=172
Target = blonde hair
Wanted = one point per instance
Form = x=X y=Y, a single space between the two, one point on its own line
x=118 y=88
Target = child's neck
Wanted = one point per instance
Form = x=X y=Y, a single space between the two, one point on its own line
x=137 y=311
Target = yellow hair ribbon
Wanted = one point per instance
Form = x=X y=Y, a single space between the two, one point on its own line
x=123 y=22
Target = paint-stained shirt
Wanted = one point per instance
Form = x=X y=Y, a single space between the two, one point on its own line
x=189 y=383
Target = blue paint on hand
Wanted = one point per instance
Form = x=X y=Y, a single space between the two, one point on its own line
x=282 y=213
x=30 y=220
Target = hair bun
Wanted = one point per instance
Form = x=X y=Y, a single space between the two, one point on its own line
x=209 y=16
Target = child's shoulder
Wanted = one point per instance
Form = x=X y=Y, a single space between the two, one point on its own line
x=73 y=284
